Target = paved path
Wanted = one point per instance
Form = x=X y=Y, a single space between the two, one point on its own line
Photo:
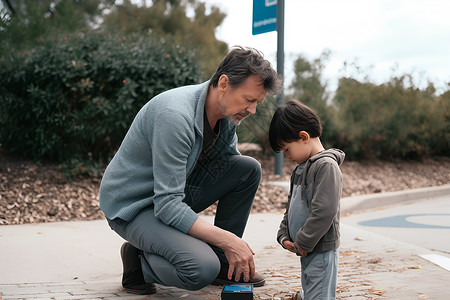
x=80 y=260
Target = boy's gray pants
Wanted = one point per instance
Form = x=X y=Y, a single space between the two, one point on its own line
x=319 y=275
x=172 y=258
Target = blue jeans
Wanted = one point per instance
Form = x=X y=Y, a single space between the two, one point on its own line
x=319 y=275
x=172 y=258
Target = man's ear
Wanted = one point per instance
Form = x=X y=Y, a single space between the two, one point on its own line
x=223 y=83
x=304 y=136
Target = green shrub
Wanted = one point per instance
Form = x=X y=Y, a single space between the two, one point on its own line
x=392 y=120
x=73 y=98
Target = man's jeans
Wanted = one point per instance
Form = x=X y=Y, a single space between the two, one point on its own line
x=173 y=258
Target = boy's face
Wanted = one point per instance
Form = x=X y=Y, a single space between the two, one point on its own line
x=297 y=151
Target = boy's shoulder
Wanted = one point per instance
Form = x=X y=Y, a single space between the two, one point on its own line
x=323 y=163
x=326 y=160
x=333 y=156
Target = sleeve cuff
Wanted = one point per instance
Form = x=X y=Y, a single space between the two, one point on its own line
x=189 y=219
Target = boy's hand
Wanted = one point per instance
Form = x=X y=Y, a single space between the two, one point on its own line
x=289 y=245
x=302 y=252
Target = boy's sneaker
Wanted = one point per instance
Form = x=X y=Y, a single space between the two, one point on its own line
x=133 y=279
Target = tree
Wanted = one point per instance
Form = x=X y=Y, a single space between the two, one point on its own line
x=307 y=85
x=169 y=19
x=309 y=88
x=24 y=23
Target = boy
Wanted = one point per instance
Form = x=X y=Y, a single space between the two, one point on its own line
x=310 y=226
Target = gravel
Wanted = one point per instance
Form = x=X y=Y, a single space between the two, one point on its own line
x=35 y=193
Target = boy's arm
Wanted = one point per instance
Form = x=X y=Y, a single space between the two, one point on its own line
x=283 y=234
x=324 y=206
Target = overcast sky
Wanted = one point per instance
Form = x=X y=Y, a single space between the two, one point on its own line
x=410 y=36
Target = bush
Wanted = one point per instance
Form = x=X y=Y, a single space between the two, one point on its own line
x=392 y=120
x=73 y=98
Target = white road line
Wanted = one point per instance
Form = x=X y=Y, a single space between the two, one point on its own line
x=441 y=261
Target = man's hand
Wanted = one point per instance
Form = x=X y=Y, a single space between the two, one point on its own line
x=240 y=258
x=237 y=251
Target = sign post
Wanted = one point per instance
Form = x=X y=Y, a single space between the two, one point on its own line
x=280 y=71
x=268 y=15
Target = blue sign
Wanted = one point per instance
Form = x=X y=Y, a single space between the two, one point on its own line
x=264 y=16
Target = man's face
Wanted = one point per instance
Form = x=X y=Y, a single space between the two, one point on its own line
x=237 y=104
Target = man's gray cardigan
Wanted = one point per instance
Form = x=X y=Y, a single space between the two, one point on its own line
x=157 y=155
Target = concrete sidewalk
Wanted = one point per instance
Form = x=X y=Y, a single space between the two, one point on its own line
x=80 y=260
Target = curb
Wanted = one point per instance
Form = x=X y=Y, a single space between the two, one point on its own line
x=371 y=201
x=379 y=200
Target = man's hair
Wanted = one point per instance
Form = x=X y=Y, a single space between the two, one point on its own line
x=242 y=62
x=288 y=120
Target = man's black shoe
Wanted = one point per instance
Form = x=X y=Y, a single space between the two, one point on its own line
x=221 y=279
x=133 y=279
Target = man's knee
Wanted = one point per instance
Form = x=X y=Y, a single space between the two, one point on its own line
x=250 y=167
x=202 y=274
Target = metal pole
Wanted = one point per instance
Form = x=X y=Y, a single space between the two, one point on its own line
x=280 y=71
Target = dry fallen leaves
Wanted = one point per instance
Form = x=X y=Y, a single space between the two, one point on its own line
x=408 y=268
x=277 y=274
x=372 y=290
x=375 y=260
x=33 y=193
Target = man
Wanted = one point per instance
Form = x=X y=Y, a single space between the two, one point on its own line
x=178 y=158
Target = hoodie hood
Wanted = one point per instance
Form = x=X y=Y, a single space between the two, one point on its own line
x=333 y=153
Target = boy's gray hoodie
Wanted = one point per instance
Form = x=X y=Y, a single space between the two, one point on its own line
x=316 y=188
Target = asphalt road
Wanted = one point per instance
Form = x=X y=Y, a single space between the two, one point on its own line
x=424 y=224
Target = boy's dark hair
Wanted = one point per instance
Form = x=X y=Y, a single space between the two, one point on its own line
x=242 y=62
x=288 y=120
